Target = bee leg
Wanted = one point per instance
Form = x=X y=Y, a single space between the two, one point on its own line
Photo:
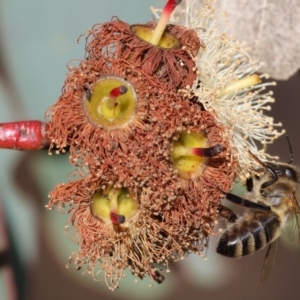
x=273 y=180
x=249 y=184
x=271 y=170
x=227 y=214
x=291 y=150
x=246 y=203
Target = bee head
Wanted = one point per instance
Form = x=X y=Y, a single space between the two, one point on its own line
x=285 y=170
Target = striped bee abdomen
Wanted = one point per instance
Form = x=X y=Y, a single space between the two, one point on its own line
x=249 y=234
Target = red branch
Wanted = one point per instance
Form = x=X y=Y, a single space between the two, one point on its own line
x=24 y=135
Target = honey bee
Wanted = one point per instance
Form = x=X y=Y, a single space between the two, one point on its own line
x=273 y=206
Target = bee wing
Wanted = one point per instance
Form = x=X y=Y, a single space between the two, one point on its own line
x=269 y=262
x=292 y=227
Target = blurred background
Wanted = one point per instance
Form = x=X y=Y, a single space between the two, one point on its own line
x=37 y=39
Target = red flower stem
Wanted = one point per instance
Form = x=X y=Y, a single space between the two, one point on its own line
x=163 y=21
x=6 y=270
x=24 y=135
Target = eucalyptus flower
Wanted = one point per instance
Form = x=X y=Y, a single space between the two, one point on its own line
x=159 y=121
x=227 y=84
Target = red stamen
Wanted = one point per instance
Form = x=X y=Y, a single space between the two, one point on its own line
x=24 y=135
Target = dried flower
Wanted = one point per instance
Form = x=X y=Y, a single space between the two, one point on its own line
x=85 y=122
x=175 y=194
x=159 y=132
x=169 y=61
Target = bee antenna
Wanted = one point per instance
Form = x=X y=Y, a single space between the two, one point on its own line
x=257 y=159
x=291 y=150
